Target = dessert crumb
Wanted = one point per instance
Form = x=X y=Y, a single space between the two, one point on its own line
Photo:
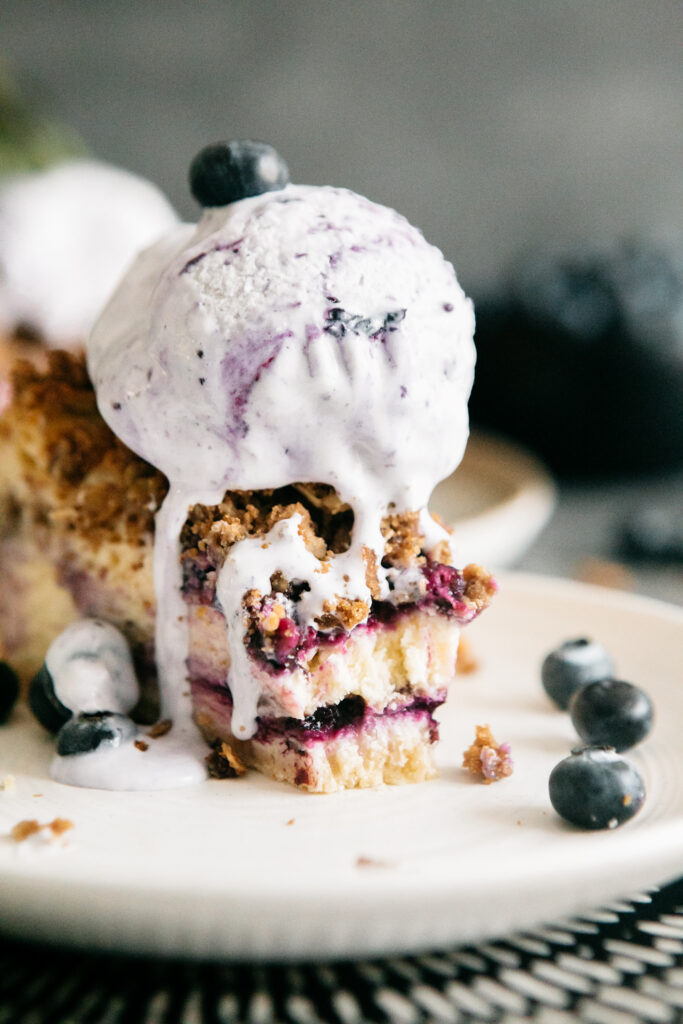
x=466 y=662
x=58 y=826
x=141 y=745
x=36 y=795
x=8 y=784
x=488 y=760
x=160 y=728
x=23 y=829
x=30 y=827
x=291 y=821
x=223 y=762
x=372 y=862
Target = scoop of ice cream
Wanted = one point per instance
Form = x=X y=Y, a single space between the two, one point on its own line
x=304 y=334
x=66 y=236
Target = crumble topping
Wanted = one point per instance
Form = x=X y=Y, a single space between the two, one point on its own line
x=344 y=612
x=223 y=762
x=403 y=539
x=160 y=728
x=485 y=758
x=480 y=586
x=85 y=478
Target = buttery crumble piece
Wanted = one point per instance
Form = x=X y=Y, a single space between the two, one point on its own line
x=161 y=728
x=489 y=760
x=480 y=586
x=23 y=829
x=141 y=745
x=403 y=539
x=223 y=762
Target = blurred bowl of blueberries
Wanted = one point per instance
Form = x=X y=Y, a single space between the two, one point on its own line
x=581 y=359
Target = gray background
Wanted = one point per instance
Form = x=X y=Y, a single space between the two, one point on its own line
x=494 y=125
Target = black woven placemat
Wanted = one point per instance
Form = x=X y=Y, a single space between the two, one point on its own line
x=620 y=965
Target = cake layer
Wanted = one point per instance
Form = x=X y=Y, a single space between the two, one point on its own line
x=394 y=747
x=414 y=655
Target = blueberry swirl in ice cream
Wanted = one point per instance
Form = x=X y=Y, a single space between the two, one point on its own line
x=302 y=334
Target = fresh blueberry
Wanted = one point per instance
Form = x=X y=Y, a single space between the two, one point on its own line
x=595 y=788
x=572 y=665
x=227 y=171
x=45 y=704
x=612 y=713
x=93 y=729
x=9 y=690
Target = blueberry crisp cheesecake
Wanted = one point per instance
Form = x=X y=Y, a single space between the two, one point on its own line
x=237 y=481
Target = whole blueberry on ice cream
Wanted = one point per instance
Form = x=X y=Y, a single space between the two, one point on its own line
x=227 y=171
x=301 y=334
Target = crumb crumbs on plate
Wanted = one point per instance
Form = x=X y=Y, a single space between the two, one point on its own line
x=141 y=745
x=291 y=821
x=30 y=826
x=161 y=728
x=488 y=760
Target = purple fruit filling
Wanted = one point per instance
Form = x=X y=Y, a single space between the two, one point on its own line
x=441 y=587
x=330 y=721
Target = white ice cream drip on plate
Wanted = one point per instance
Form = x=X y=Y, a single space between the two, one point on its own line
x=301 y=335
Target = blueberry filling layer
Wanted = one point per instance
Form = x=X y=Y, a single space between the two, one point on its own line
x=280 y=643
x=332 y=720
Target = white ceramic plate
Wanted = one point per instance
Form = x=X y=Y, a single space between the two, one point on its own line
x=252 y=869
x=497 y=501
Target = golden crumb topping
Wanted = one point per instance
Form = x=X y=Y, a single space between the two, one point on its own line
x=488 y=760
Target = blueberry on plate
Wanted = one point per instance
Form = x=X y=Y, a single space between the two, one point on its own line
x=225 y=172
x=613 y=713
x=93 y=729
x=9 y=690
x=595 y=788
x=571 y=666
x=44 y=702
